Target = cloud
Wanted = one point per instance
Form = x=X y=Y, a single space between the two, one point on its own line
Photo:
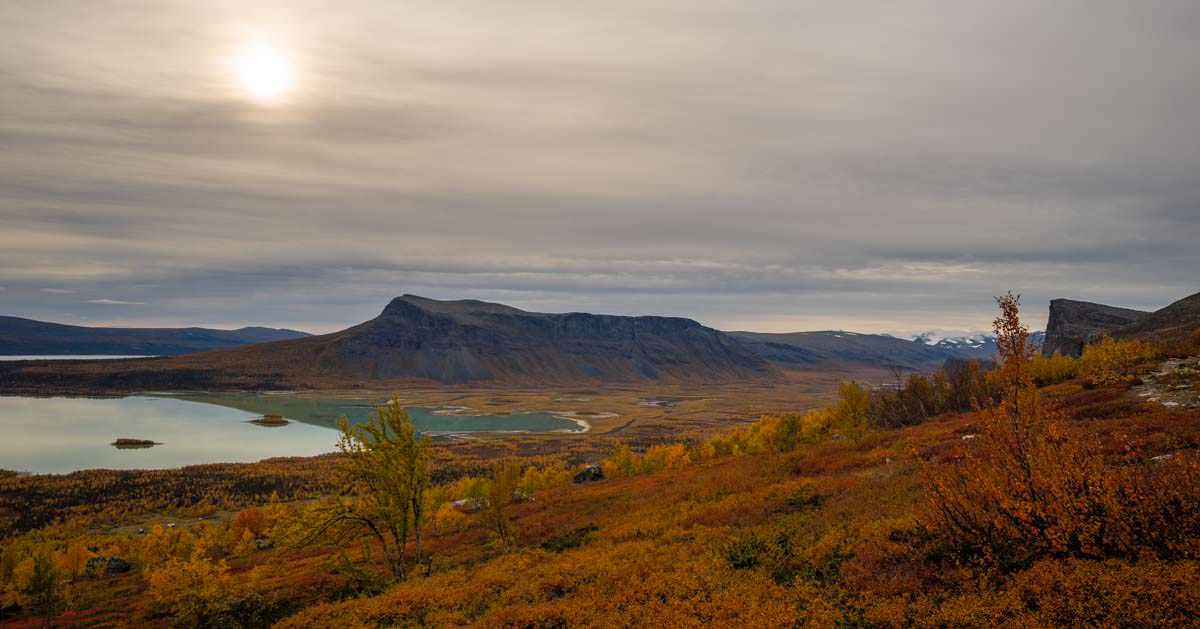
x=763 y=163
x=116 y=302
x=57 y=291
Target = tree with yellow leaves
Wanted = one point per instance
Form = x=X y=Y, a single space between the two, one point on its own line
x=1111 y=361
x=388 y=463
x=39 y=588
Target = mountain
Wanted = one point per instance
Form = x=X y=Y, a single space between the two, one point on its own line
x=419 y=339
x=977 y=345
x=28 y=337
x=1176 y=322
x=814 y=349
x=1073 y=324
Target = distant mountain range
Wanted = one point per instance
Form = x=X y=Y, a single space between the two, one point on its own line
x=416 y=339
x=834 y=348
x=28 y=337
x=977 y=345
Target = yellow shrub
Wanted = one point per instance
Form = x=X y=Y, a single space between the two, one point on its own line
x=1110 y=361
x=1053 y=369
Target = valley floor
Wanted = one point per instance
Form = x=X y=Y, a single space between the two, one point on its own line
x=833 y=534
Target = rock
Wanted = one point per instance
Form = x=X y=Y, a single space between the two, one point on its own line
x=108 y=566
x=589 y=474
x=263 y=544
x=468 y=505
x=968 y=437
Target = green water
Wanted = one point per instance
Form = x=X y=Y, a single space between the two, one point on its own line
x=326 y=411
x=65 y=434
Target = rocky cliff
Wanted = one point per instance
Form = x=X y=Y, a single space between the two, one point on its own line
x=1073 y=324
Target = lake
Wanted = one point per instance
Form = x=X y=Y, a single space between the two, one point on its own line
x=65 y=434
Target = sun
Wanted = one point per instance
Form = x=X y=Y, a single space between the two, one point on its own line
x=265 y=71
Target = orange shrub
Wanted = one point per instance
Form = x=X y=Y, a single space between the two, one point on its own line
x=250 y=519
x=1026 y=487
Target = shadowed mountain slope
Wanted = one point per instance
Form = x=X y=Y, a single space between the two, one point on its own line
x=28 y=337
x=815 y=349
x=1176 y=322
x=419 y=339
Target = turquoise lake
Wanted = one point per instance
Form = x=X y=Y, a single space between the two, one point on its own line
x=64 y=434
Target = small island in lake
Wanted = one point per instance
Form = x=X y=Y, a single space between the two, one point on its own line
x=270 y=421
x=126 y=443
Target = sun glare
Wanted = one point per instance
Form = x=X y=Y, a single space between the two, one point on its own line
x=264 y=71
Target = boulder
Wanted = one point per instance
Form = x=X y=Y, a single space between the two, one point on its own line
x=468 y=505
x=589 y=474
x=108 y=566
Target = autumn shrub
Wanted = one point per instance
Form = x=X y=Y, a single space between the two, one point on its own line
x=1111 y=361
x=1028 y=487
x=1047 y=370
x=249 y=520
x=196 y=592
x=960 y=386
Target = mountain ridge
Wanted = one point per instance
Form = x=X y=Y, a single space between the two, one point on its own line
x=416 y=339
x=21 y=336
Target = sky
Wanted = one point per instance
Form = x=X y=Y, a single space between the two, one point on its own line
x=773 y=165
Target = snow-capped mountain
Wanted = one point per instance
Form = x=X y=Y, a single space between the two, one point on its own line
x=967 y=344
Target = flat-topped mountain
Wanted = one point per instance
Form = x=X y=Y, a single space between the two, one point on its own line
x=458 y=341
x=419 y=339
x=28 y=337
x=1073 y=324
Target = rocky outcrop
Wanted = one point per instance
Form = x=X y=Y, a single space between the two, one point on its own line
x=1073 y=324
x=108 y=566
x=589 y=474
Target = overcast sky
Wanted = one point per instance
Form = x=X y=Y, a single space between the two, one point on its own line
x=754 y=164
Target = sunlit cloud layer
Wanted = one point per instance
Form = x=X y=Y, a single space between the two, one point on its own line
x=776 y=165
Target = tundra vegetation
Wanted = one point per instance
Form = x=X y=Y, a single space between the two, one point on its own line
x=1032 y=492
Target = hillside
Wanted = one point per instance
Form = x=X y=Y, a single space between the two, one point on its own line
x=425 y=340
x=1176 y=322
x=28 y=337
x=1073 y=324
x=825 y=533
x=815 y=349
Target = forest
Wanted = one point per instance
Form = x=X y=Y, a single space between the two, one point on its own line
x=1029 y=492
